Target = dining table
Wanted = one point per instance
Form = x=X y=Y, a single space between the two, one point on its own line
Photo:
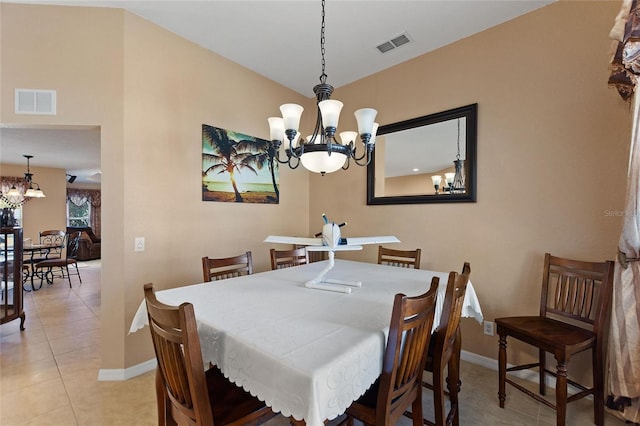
x=306 y=352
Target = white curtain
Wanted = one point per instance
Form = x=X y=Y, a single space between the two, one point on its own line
x=624 y=334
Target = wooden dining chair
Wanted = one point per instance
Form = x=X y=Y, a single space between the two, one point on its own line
x=402 y=258
x=45 y=268
x=444 y=352
x=575 y=302
x=186 y=393
x=288 y=258
x=400 y=384
x=227 y=267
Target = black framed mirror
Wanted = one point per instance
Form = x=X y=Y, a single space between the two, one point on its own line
x=428 y=159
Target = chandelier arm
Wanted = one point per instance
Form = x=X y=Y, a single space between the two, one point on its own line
x=367 y=154
x=277 y=158
x=292 y=152
x=290 y=162
x=355 y=157
x=345 y=166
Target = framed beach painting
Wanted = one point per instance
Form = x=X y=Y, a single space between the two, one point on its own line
x=238 y=168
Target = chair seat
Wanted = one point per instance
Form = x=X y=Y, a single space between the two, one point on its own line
x=52 y=263
x=553 y=336
x=231 y=401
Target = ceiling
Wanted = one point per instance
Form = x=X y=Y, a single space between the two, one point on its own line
x=281 y=41
x=73 y=148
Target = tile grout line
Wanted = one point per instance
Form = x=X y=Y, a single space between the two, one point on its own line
x=55 y=357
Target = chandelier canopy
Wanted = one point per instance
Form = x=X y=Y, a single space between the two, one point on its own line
x=21 y=192
x=321 y=152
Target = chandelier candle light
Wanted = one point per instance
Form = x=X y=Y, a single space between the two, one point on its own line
x=321 y=152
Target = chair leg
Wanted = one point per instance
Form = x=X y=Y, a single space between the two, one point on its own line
x=502 y=369
x=439 y=401
x=453 y=376
x=416 y=409
x=453 y=379
x=598 y=385
x=542 y=358
x=66 y=267
x=78 y=272
x=561 y=393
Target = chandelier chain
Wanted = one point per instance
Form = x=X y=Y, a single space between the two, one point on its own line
x=458 y=155
x=323 y=76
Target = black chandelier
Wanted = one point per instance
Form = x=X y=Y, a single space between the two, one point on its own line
x=15 y=196
x=321 y=152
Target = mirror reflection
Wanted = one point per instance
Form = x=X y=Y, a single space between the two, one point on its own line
x=426 y=159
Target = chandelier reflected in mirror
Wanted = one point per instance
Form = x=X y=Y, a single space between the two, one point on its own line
x=21 y=191
x=321 y=152
x=454 y=180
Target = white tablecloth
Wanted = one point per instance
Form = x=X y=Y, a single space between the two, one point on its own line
x=307 y=353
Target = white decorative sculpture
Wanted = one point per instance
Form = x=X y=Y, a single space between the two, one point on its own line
x=331 y=241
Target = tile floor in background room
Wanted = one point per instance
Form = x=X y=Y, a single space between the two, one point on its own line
x=48 y=372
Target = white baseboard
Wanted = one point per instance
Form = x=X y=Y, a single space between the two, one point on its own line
x=120 y=374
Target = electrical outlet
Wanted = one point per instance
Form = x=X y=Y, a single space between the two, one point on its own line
x=139 y=244
x=488 y=328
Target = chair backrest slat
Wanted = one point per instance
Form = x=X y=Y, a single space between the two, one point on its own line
x=288 y=258
x=227 y=267
x=400 y=258
x=578 y=290
x=406 y=351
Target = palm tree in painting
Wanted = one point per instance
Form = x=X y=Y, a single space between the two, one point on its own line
x=258 y=153
x=225 y=157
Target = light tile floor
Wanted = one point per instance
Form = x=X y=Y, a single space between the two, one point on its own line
x=48 y=372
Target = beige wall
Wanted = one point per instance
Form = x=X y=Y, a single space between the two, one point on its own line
x=39 y=214
x=78 y=52
x=552 y=156
x=552 y=151
x=172 y=87
x=150 y=92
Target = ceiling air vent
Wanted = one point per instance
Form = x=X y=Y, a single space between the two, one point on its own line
x=385 y=47
x=31 y=101
x=398 y=41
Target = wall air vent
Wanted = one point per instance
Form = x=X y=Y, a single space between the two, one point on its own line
x=397 y=41
x=32 y=101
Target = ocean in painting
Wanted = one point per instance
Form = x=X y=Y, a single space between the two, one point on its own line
x=219 y=186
